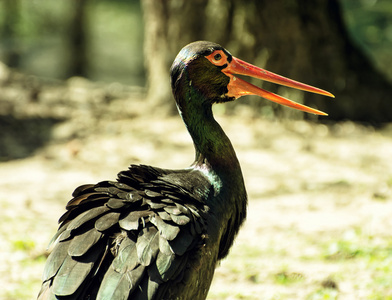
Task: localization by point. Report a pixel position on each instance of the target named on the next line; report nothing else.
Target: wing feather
(107, 221)
(132, 238)
(147, 245)
(80, 244)
(167, 230)
(73, 272)
(55, 260)
(118, 286)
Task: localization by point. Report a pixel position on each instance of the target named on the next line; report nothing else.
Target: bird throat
(214, 152)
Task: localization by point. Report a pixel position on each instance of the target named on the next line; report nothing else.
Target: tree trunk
(9, 32)
(169, 25)
(305, 40)
(309, 42)
(78, 63)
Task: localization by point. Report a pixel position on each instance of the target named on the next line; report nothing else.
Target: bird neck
(212, 146)
(214, 153)
(216, 158)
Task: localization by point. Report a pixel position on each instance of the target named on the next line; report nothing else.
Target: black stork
(158, 233)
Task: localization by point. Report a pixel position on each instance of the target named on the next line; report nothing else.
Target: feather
(73, 272)
(155, 205)
(167, 200)
(80, 244)
(164, 246)
(83, 198)
(173, 196)
(123, 195)
(119, 285)
(56, 236)
(123, 186)
(82, 189)
(164, 215)
(182, 209)
(107, 221)
(86, 216)
(131, 220)
(126, 258)
(153, 194)
(78, 221)
(46, 293)
(55, 260)
(193, 211)
(152, 288)
(134, 196)
(113, 190)
(167, 265)
(65, 235)
(172, 210)
(123, 275)
(108, 188)
(75, 210)
(147, 289)
(147, 245)
(168, 231)
(182, 243)
(123, 259)
(181, 219)
(115, 203)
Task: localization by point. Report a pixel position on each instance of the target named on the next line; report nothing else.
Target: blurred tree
(306, 40)
(9, 33)
(369, 23)
(78, 39)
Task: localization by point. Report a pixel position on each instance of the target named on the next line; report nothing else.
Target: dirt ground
(320, 196)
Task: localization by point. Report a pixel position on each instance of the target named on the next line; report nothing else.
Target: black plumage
(138, 237)
(157, 233)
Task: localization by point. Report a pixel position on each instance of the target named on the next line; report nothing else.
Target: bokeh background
(344, 46)
(85, 91)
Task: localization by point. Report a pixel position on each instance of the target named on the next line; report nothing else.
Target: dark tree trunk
(309, 42)
(305, 40)
(9, 33)
(78, 62)
(169, 25)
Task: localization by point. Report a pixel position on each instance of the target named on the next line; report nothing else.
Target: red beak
(238, 87)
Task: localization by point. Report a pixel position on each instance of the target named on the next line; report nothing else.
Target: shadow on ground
(20, 138)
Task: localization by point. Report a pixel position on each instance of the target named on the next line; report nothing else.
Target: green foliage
(285, 277)
(24, 245)
(324, 294)
(355, 244)
(370, 25)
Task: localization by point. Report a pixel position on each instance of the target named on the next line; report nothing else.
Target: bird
(156, 233)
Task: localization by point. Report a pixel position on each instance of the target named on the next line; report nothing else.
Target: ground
(320, 196)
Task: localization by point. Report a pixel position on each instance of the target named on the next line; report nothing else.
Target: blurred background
(85, 91)
(342, 46)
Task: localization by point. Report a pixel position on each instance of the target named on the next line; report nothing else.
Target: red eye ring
(218, 58)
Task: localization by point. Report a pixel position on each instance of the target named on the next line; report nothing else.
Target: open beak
(238, 87)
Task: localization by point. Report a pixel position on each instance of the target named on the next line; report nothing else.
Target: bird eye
(217, 58)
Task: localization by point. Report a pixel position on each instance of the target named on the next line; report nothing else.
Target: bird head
(212, 71)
